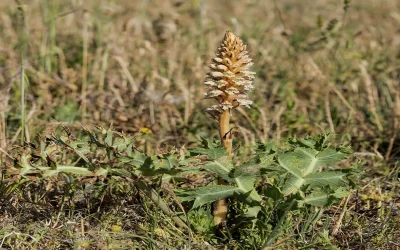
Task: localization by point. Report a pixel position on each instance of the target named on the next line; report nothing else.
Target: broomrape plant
(228, 80)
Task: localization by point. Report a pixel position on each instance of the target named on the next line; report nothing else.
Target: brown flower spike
(228, 80)
(229, 75)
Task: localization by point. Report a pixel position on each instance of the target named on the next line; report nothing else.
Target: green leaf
(80, 148)
(341, 193)
(245, 177)
(25, 163)
(212, 153)
(167, 161)
(289, 162)
(334, 179)
(122, 143)
(245, 184)
(324, 197)
(208, 194)
(50, 172)
(306, 160)
(221, 167)
(109, 138)
(120, 172)
(265, 148)
(267, 160)
(330, 156)
(102, 172)
(73, 170)
(308, 142)
(303, 163)
(250, 168)
(318, 198)
(252, 211)
(292, 185)
(136, 160)
(273, 193)
(66, 169)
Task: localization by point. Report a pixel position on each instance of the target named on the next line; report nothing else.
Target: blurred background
(321, 66)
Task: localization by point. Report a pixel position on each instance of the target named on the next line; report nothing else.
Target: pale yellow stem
(221, 206)
(224, 130)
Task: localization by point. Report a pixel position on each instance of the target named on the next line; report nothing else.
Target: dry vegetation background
(141, 64)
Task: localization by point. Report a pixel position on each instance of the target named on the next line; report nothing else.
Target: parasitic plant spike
(227, 82)
(229, 77)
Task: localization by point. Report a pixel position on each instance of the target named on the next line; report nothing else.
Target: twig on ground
(340, 219)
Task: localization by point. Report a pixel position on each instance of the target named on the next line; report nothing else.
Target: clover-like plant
(228, 80)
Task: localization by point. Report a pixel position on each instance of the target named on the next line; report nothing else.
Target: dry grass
(141, 64)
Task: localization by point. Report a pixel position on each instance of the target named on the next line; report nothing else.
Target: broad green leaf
(308, 142)
(309, 160)
(221, 167)
(121, 172)
(246, 185)
(273, 193)
(268, 148)
(324, 197)
(252, 211)
(267, 160)
(208, 143)
(245, 182)
(292, 185)
(122, 143)
(109, 138)
(306, 160)
(81, 148)
(302, 162)
(73, 170)
(66, 169)
(208, 194)
(102, 172)
(167, 161)
(197, 151)
(250, 168)
(289, 162)
(50, 172)
(216, 153)
(245, 177)
(330, 156)
(332, 178)
(318, 198)
(212, 153)
(341, 193)
(137, 160)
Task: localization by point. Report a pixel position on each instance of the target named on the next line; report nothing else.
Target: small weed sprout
(228, 81)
